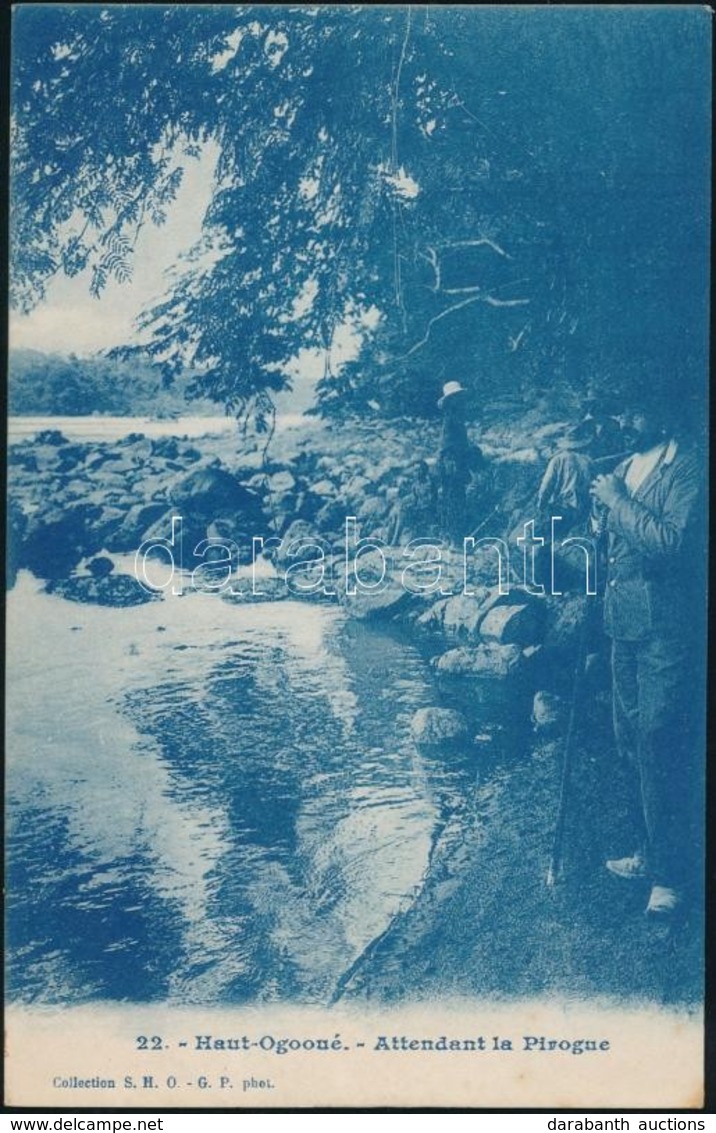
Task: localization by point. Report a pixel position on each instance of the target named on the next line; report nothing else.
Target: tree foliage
(513, 197)
(54, 385)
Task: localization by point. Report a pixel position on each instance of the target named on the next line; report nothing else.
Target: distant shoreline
(114, 426)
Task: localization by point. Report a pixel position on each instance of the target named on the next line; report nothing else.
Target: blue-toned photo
(357, 516)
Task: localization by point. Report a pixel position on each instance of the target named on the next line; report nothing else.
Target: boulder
(510, 625)
(187, 537)
(54, 545)
(70, 457)
(324, 488)
(356, 488)
(105, 521)
(487, 661)
(24, 459)
(142, 449)
(464, 613)
(190, 455)
(207, 493)
(226, 541)
(166, 446)
(432, 618)
(380, 592)
(51, 437)
(280, 482)
(297, 533)
(78, 488)
(47, 457)
(100, 566)
(431, 727)
(330, 517)
(96, 459)
(131, 531)
(110, 590)
(388, 600)
(373, 510)
(462, 616)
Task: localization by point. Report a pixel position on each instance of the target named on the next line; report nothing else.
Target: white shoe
(662, 901)
(629, 868)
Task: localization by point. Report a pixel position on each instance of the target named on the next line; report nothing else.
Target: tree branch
(489, 299)
(436, 319)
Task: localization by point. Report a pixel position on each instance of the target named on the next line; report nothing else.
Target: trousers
(656, 706)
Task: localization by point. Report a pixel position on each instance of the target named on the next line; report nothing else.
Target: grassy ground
(487, 924)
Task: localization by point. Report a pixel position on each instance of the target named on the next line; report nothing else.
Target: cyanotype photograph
(357, 555)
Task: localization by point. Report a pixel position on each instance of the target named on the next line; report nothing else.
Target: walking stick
(554, 871)
(480, 525)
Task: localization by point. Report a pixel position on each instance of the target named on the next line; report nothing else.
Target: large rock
(131, 439)
(189, 454)
(55, 544)
(132, 529)
(388, 600)
(431, 727)
(187, 536)
(299, 534)
(487, 661)
(96, 460)
(432, 618)
(109, 590)
(464, 613)
(510, 625)
(280, 483)
(324, 488)
(355, 491)
(166, 446)
(21, 456)
(330, 517)
(208, 493)
(141, 449)
(70, 457)
(462, 616)
(51, 437)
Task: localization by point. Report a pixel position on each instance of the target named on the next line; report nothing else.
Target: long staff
(557, 860)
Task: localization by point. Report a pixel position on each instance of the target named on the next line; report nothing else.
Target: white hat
(449, 390)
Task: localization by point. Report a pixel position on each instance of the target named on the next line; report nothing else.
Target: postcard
(357, 527)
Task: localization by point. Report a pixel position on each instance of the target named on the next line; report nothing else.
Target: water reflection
(210, 802)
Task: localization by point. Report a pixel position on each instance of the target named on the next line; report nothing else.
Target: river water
(107, 428)
(210, 802)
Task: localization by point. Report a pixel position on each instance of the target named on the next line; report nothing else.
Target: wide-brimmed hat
(449, 390)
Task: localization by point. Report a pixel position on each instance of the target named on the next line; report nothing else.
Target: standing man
(654, 612)
(567, 477)
(454, 463)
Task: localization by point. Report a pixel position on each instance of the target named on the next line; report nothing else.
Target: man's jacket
(655, 569)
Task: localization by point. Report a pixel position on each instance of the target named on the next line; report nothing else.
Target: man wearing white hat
(450, 389)
(454, 462)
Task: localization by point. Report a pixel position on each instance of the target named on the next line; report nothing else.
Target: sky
(70, 320)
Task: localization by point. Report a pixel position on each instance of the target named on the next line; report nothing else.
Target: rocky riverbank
(79, 511)
(503, 658)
